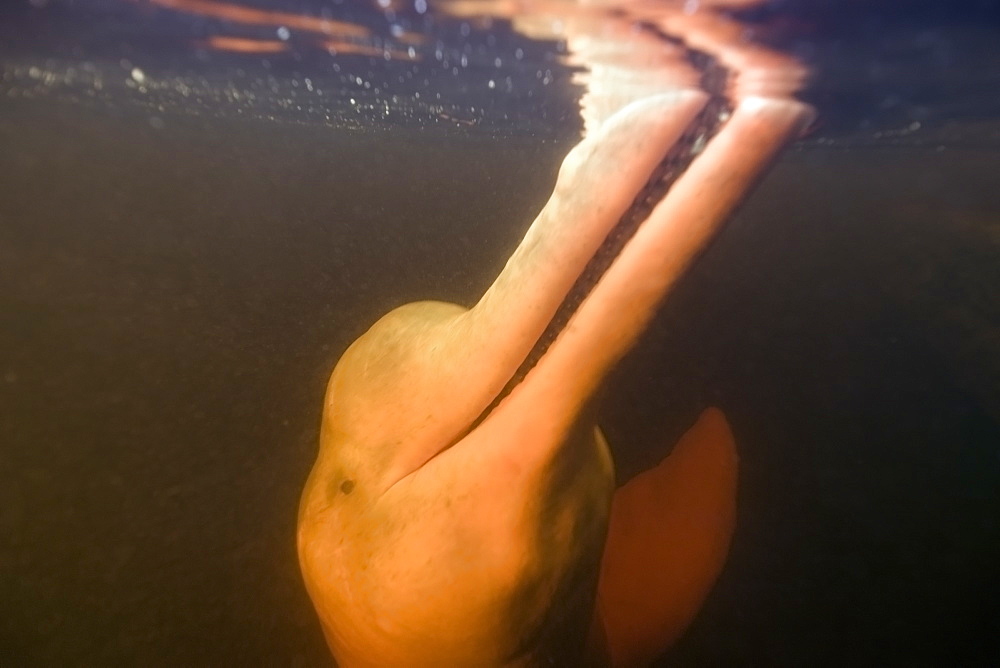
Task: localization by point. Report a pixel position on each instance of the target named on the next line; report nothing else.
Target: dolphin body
(439, 527)
(449, 522)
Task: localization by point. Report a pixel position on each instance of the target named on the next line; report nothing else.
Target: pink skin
(425, 541)
(436, 542)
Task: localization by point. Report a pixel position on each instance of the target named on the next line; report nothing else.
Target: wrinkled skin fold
(426, 542)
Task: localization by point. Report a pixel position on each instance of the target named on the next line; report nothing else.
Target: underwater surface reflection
(187, 247)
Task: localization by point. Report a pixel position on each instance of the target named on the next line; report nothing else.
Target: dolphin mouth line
(675, 162)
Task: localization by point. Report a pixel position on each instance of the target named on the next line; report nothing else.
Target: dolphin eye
(347, 486)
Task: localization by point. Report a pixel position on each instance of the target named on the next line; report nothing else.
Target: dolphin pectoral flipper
(668, 536)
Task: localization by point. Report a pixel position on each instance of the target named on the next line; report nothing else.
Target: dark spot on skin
(347, 486)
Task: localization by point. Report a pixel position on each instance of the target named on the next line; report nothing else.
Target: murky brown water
(173, 296)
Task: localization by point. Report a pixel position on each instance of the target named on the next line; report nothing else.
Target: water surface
(177, 281)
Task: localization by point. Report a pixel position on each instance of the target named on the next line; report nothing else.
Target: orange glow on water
(245, 45)
(344, 47)
(339, 37)
(249, 16)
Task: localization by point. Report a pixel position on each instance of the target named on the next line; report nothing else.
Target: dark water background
(176, 282)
